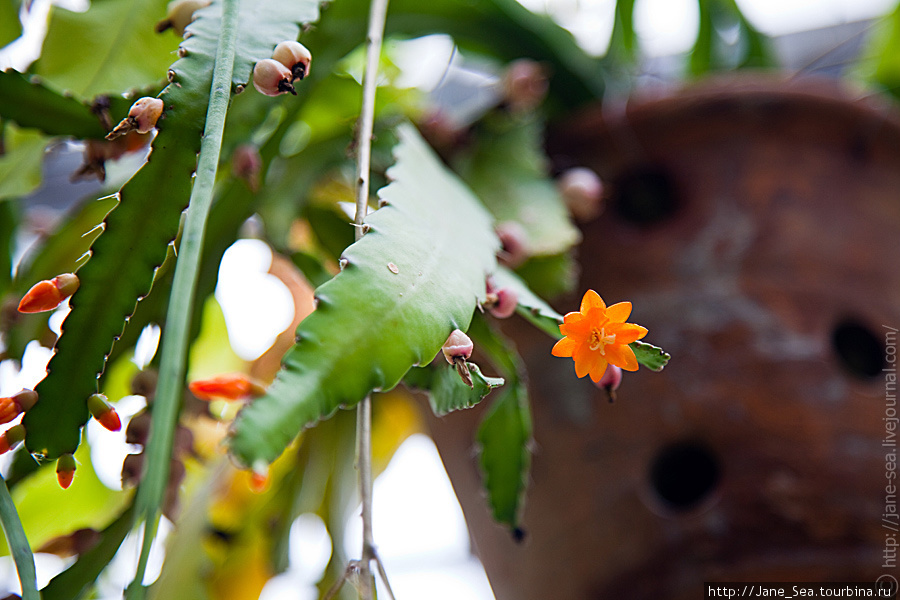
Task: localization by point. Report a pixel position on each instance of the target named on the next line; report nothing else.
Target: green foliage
(712, 52)
(121, 272)
(652, 357)
(20, 166)
(422, 265)
(508, 170)
(450, 393)
(18, 544)
(505, 434)
(107, 49)
(29, 102)
(884, 59)
(10, 25)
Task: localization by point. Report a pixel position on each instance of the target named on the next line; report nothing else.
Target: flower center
(599, 339)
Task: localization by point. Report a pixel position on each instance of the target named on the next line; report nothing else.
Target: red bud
(105, 414)
(10, 438)
(48, 294)
(231, 386)
(65, 470)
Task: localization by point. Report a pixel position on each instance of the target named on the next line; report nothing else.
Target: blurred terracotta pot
(755, 225)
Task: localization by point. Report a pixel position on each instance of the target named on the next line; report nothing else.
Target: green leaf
(138, 232)
(504, 436)
(30, 103)
(652, 357)
(505, 433)
(107, 49)
(20, 166)
(10, 25)
(883, 60)
(18, 544)
(449, 392)
(531, 306)
(413, 278)
(508, 170)
(550, 276)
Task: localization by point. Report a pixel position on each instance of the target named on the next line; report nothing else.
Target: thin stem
(365, 125)
(177, 332)
(18, 544)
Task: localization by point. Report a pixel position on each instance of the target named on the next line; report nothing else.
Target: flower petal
(599, 368)
(564, 347)
(584, 359)
(618, 313)
(629, 332)
(621, 356)
(591, 300)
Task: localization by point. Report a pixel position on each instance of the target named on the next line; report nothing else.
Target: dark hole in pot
(645, 196)
(684, 474)
(860, 352)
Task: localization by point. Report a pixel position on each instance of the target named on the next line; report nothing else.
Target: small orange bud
(259, 481)
(10, 438)
(48, 294)
(12, 407)
(65, 470)
(231, 386)
(105, 414)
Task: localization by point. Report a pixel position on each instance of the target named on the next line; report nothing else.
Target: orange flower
(231, 386)
(597, 336)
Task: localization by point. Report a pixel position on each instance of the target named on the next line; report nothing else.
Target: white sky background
(418, 524)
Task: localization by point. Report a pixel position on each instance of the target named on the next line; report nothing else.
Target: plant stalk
(177, 331)
(365, 126)
(18, 544)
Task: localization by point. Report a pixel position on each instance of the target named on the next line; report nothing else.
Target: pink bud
(272, 78)
(513, 242)
(505, 303)
(295, 56)
(458, 346)
(611, 380)
(582, 192)
(142, 117)
(524, 85)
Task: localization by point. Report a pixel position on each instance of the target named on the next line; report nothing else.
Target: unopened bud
(524, 85)
(11, 438)
(231, 386)
(141, 118)
(259, 480)
(48, 294)
(272, 78)
(295, 56)
(179, 15)
(582, 192)
(458, 346)
(65, 470)
(13, 406)
(514, 243)
(246, 164)
(503, 302)
(610, 381)
(103, 411)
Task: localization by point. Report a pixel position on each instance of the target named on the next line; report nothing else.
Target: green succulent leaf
(30, 103)
(20, 165)
(507, 169)
(652, 357)
(449, 392)
(504, 435)
(415, 276)
(109, 48)
(137, 233)
(531, 306)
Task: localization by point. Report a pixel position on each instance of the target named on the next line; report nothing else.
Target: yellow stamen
(599, 340)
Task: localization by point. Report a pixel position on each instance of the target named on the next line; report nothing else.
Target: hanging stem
(18, 544)
(365, 125)
(177, 331)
